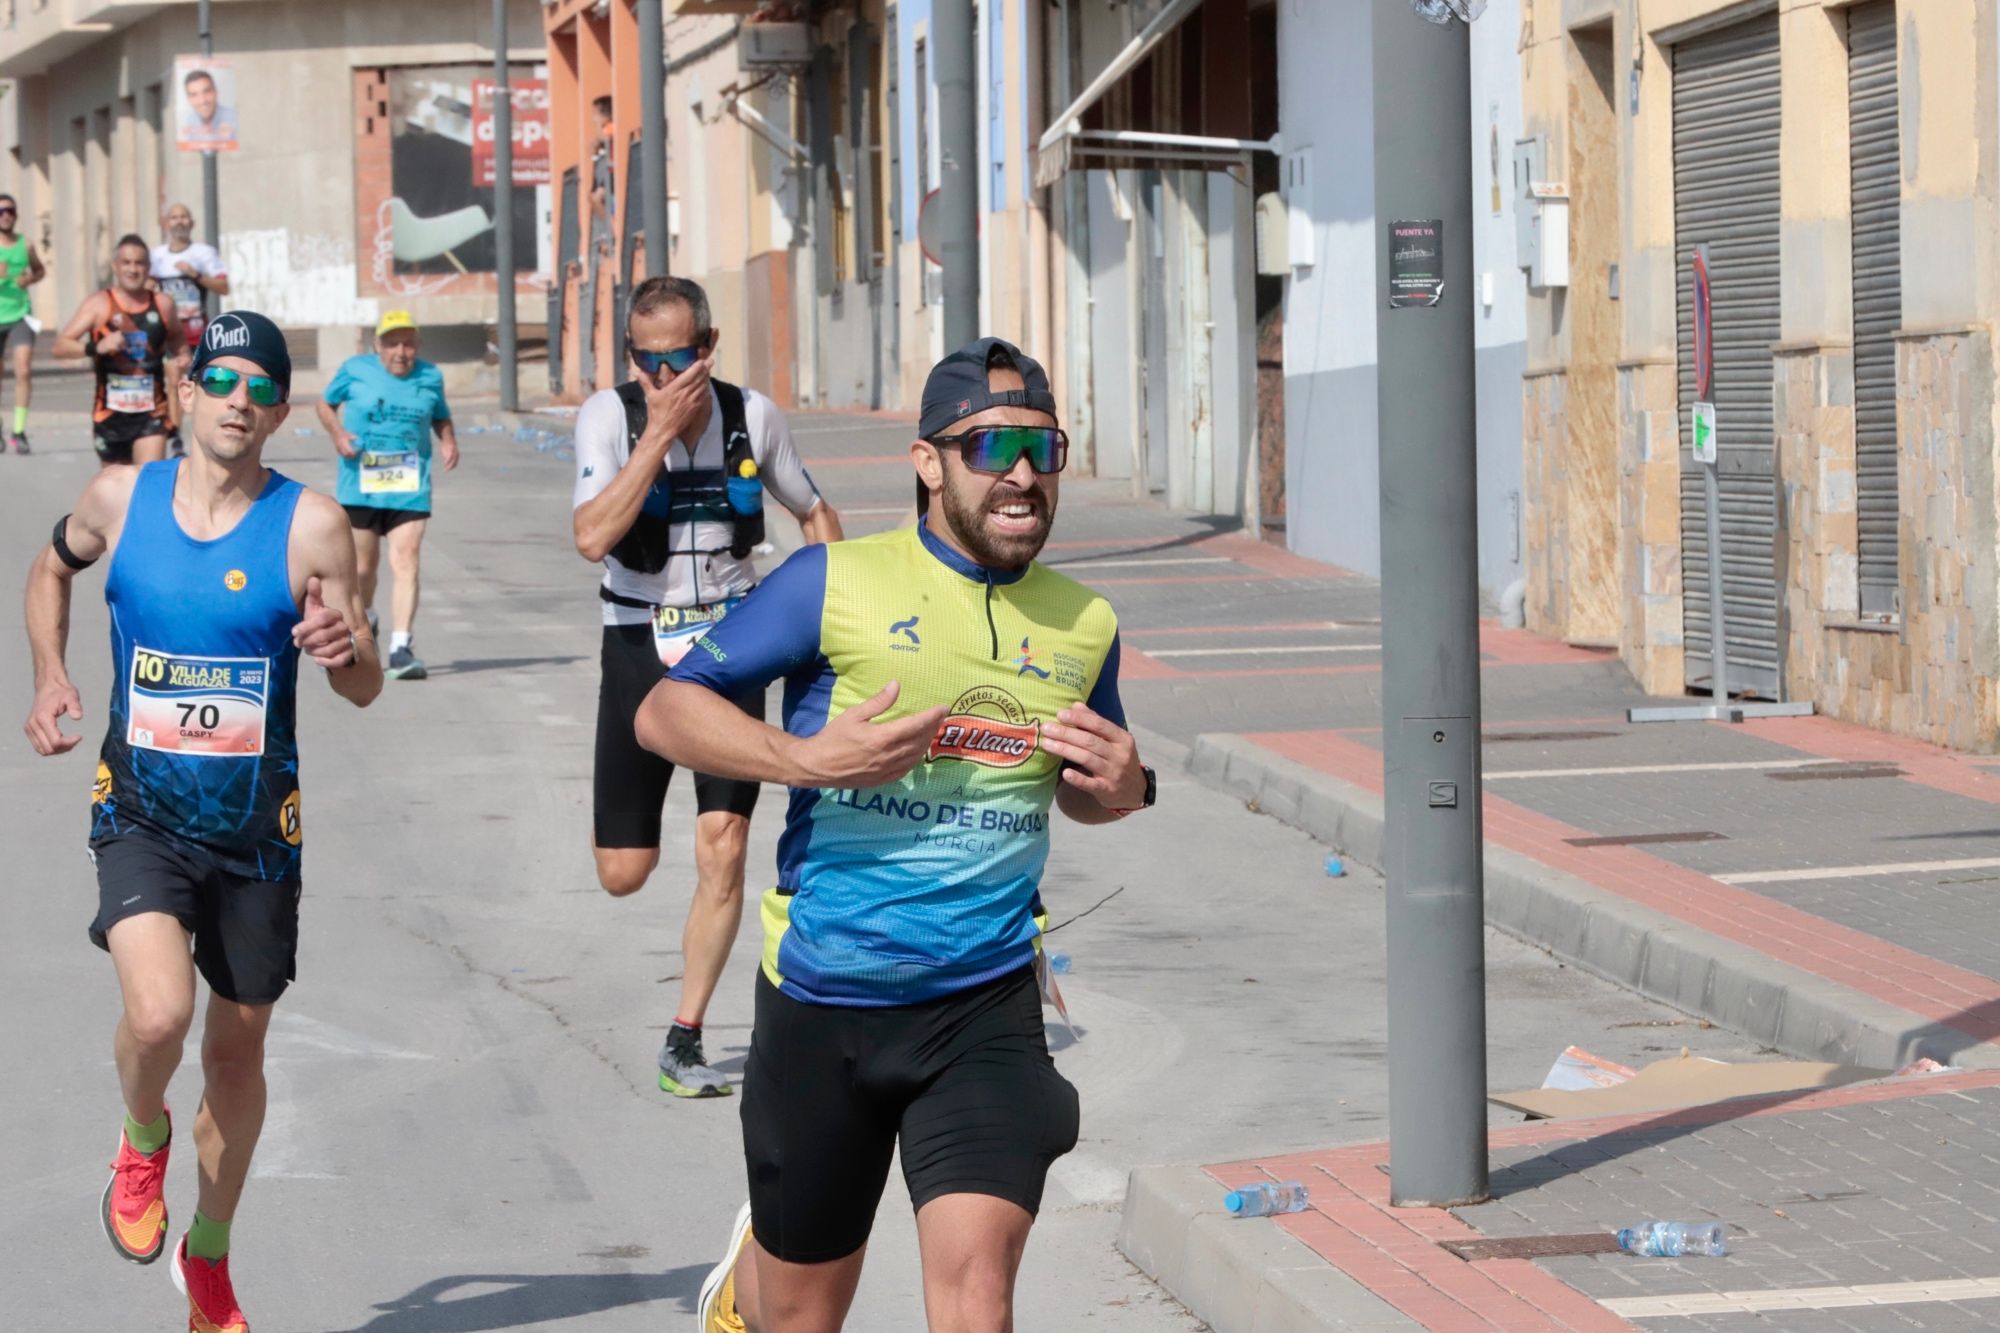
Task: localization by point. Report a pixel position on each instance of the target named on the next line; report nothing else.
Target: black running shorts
(116, 434)
(965, 1083)
(246, 931)
(375, 518)
(629, 783)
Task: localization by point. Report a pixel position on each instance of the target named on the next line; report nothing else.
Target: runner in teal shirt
(382, 411)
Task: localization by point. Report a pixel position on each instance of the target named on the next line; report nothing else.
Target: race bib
(129, 393)
(675, 628)
(197, 705)
(391, 474)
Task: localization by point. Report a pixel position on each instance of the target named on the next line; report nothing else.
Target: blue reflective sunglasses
(995, 449)
(679, 359)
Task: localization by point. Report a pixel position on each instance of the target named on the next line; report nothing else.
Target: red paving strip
(1508, 724)
(1395, 1253)
(1517, 647)
(1927, 765)
(1136, 664)
(1934, 990)
(1146, 579)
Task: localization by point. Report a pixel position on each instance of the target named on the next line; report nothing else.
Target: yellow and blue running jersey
(928, 885)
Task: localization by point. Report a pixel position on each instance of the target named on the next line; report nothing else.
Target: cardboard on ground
(1681, 1081)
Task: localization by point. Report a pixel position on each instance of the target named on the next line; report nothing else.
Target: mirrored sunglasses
(996, 449)
(678, 359)
(220, 382)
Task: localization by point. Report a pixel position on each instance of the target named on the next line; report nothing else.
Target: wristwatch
(1152, 793)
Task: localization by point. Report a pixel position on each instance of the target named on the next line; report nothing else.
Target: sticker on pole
(1416, 264)
(1703, 439)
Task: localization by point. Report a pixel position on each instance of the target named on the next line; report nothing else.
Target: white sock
(398, 641)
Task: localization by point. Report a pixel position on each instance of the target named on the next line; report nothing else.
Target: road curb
(1238, 1275)
(1643, 950)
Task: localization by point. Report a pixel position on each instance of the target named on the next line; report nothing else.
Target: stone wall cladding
(1651, 639)
(1545, 501)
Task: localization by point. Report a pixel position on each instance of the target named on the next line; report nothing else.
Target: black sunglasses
(677, 359)
(996, 449)
(221, 381)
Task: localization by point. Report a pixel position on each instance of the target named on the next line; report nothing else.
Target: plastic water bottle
(1335, 867)
(1671, 1240)
(1059, 964)
(1265, 1199)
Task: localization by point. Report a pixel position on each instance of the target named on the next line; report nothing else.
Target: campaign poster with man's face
(205, 104)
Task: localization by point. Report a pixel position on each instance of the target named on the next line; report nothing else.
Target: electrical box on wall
(1541, 216)
(768, 45)
(1273, 236)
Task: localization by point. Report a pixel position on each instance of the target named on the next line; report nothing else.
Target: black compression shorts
(114, 436)
(375, 518)
(964, 1082)
(629, 782)
(246, 931)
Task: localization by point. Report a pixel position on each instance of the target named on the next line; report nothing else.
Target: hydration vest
(727, 494)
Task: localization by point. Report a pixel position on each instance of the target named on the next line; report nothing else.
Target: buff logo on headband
(250, 336)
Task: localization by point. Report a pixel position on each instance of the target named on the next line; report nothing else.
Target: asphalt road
(464, 1130)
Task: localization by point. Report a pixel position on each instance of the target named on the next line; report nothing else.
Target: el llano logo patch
(234, 580)
(987, 726)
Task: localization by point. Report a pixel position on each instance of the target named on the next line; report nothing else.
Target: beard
(967, 511)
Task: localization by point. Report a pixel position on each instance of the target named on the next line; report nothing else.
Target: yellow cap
(747, 469)
(396, 319)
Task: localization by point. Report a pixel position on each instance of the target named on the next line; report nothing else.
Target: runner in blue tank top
(222, 573)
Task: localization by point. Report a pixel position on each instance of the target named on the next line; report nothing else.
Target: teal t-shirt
(390, 420)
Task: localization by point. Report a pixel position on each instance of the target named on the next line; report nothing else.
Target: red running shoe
(134, 1209)
(211, 1300)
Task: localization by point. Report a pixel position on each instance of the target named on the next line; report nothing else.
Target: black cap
(957, 386)
(247, 334)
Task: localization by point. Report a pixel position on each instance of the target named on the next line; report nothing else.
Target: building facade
(1831, 169)
(352, 186)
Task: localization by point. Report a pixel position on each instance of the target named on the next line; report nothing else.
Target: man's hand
(52, 700)
(343, 443)
(674, 406)
(855, 751)
(448, 452)
(109, 344)
(323, 634)
(188, 270)
(1099, 757)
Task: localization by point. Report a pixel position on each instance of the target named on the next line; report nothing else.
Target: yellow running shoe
(716, 1310)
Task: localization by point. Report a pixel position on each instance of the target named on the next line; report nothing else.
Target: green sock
(208, 1239)
(147, 1139)
(20, 419)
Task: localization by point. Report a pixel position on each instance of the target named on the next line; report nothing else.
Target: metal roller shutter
(1878, 293)
(1726, 197)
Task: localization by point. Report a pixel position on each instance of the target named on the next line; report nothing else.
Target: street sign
(1703, 442)
(1704, 329)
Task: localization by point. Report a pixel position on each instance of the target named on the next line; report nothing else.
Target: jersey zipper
(991, 628)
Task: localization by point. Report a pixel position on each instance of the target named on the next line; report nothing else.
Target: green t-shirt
(13, 267)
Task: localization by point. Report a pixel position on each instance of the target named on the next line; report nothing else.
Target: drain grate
(1503, 737)
(1533, 1247)
(1836, 773)
(1640, 839)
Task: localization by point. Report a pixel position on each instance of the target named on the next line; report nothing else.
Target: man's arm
(1102, 778)
(785, 476)
(329, 417)
(333, 627)
(822, 524)
(70, 342)
(447, 436)
(87, 533)
(176, 332)
(35, 271)
(605, 514)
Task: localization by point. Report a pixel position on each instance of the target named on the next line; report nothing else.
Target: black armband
(63, 553)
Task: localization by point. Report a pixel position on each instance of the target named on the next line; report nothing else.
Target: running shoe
(211, 1299)
(406, 665)
(20, 439)
(134, 1207)
(684, 1069)
(715, 1311)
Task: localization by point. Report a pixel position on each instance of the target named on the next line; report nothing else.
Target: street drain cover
(1835, 772)
(1502, 737)
(1638, 839)
(1533, 1247)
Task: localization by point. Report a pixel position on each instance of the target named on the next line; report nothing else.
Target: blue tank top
(203, 746)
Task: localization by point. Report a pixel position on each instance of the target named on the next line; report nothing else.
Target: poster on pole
(1416, 264)
(205, 104)
(530, 136)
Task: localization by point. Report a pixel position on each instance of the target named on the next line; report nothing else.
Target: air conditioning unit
(774, 45)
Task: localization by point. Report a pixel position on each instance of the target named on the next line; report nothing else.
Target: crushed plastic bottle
(1059, 964)
(1262, 1200)
(1672, 1240)
(1335, 867)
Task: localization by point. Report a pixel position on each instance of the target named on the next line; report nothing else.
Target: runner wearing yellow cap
(382, 410)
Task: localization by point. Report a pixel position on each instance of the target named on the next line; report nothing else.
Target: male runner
(389, 404)
(187, 270)
(20, 269)
(942, 690)
(128, 331)
(671, 469)
(222, 573)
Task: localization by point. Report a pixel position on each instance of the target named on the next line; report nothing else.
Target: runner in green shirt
(20, 269)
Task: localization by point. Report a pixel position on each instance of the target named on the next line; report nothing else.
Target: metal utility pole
(955, 47)
(653, 135)
(1430, 606)
(503, 212)
(211, 188)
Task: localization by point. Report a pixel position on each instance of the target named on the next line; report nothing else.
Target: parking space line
(1858, 872)
(1803, 1298)
(1267, 649)
(1615, 771)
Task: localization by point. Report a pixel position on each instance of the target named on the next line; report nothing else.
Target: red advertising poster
(531, 131)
